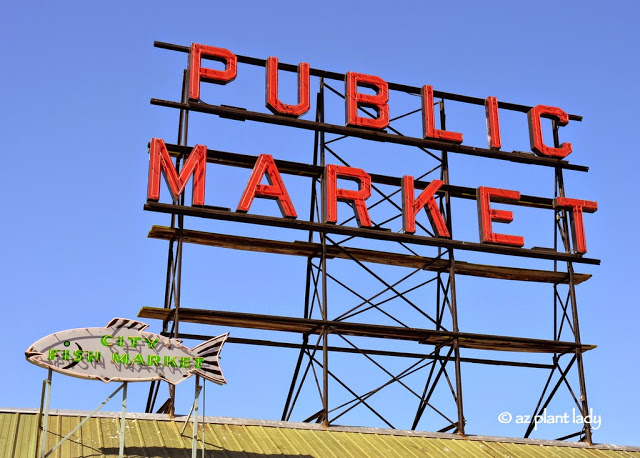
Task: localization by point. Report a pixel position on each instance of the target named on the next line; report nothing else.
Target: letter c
(104, 342)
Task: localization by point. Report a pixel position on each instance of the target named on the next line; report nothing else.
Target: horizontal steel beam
(340, 77)
(241, 114)
(307, 249)
(400, 354)
(310, 326)
(370, 233)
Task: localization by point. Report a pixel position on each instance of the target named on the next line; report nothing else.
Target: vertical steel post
(204, 406)
(194, 435)
(177, 279)
(572, 297)
(325, 315)
(47, 398)
(308, 295)
(38, 429)
(122, 422)
(171, 258)
(452, 282)
(325, 333)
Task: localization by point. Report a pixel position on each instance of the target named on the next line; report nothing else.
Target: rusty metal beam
(241, 114)
(370, 233)
(368, 351)
(308, 249)
(312, 326)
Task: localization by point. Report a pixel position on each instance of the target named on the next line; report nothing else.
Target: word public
(355, 100)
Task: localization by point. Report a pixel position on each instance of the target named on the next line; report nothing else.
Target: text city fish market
(126, 343)
(125, 358)
(195, 164)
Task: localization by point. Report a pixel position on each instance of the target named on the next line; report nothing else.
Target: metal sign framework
(43, 418)
(42, 450)
(441, 365)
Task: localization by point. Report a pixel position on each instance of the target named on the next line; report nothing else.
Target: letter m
(160, 163)
(120, 358)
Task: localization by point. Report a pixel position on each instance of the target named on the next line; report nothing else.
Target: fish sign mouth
(32, 354)
(29, 354)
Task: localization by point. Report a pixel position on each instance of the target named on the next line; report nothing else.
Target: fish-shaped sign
(123, 352)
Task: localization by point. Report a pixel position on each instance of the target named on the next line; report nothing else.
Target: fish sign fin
(165, 341)
(172, 342)
(127, 324)
(209, 351)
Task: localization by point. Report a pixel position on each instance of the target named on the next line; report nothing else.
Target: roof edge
(318, 427)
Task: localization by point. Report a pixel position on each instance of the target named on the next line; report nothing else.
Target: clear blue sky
(76, 119)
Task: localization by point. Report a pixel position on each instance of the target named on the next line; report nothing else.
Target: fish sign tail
(208, 367)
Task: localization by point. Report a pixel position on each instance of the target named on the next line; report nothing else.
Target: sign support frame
(46, 397)
(317, 275)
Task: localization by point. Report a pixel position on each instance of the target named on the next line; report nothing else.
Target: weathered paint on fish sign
(122, 351)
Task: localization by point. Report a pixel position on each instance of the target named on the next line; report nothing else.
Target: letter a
(274, 190)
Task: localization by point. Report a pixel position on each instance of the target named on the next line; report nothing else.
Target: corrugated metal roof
(157, 436)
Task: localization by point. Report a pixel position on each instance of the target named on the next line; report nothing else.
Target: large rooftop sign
(396, 219)
(416, 196)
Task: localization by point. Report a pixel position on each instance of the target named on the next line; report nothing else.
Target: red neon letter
(535, 131)
(486, 215)
(160, 161)
(577, 226)
(426, 199)
(274, 104)
(197, 73)
(354, 198)
(493, 123)
(378, 102)
(274, 190)
(428, 120)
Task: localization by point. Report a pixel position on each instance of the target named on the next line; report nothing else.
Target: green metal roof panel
(157, 436)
